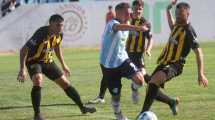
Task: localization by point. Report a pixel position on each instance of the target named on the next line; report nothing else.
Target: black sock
(147, 78)
(103, 88)
(150, 96)
(163, 97)
(73, 94)
(36, 98)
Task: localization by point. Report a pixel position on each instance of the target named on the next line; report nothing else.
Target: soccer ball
(148, 115)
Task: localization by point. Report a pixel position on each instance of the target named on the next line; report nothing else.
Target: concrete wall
(85, 21)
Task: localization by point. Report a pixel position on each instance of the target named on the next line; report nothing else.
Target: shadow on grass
(30, 106)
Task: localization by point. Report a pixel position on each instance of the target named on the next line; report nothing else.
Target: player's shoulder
(190, 28)
(42, 30)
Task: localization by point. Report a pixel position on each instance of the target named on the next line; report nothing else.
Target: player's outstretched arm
(60, 57)
(22, 75)
(149, 47)
(200, 64)
(169, 14)
(124, 27)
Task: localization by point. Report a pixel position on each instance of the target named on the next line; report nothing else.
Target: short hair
(183, 5)
(55, 18)
(137, 2)
(110, 7)
(122, 6)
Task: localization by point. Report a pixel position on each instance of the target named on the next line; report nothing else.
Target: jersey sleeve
(148, 33)
(192, 36)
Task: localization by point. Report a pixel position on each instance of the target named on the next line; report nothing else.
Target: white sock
(115, 105)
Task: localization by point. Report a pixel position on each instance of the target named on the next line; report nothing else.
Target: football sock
(36, 98)
(135, 86)
(150, 96)
(147, 78)
(115, 103)
(103, 88)
(73, 94)
(163, 97)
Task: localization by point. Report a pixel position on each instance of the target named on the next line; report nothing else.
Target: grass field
(197, 103)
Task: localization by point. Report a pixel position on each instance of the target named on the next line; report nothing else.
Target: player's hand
(22, 76)
(144, 28)
(173, 2)
(202, 80)
(66, 70)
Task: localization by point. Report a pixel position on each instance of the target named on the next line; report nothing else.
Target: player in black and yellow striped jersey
(171, 61)
(136, 43)
(36, 55)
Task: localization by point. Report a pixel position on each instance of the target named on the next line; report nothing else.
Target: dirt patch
(5, 53)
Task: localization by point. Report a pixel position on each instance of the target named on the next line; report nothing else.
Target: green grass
(197, 103)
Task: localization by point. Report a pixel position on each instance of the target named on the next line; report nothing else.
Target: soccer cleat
(119, 116)
(38, 117)
(174, 106)
(134, 95)
(87, 109)
(97, 100)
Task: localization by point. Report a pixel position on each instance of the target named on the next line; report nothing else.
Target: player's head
(137, 7)
(110, 7)
(182, 12)
(56, 23)
(123, 12)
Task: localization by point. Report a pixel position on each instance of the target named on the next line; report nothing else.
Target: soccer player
(114, 60)
(110, 14)
(135, 46)
(36, 55)
(182, 39)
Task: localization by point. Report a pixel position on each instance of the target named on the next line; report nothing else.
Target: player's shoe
(134, 95)
(120, 116)
(174, 105)
(38, 117)
(97, 100)
(87, 109)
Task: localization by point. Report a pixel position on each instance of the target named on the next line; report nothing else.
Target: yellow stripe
(46, 56)
(180, 46)
(172, 46)
(140, 42)
(132, 46)
(168, 54)
(38, 53)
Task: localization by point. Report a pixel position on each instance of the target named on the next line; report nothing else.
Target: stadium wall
(85, 21)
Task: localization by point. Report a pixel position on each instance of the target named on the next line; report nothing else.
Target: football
(148, 115)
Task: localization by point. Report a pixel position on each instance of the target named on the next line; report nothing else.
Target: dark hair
(183, 5)
(110, 7)
(55, 18)
(121, 6)
(137, 2)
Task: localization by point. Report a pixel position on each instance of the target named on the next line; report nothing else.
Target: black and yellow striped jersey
(182, 39)
(136, 39)
(41, 44)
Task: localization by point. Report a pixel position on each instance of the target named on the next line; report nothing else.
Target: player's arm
(169, 14)
(124, 27)
(150, 40)
(200, 64)
(59, 54)
(22, 72)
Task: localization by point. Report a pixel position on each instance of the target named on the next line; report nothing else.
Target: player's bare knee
(63, 82)
(37, 79)
(158, 78)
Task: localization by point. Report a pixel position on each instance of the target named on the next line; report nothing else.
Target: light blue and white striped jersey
(113, 52)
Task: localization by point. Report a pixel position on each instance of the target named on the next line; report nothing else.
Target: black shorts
(114, 75)
(171, 70)
(51, 70)
(137, 59)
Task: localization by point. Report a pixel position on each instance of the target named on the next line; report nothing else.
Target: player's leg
(153, 86)
(102, 90)
(114, 85)
(35, 72)
(54, 73)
